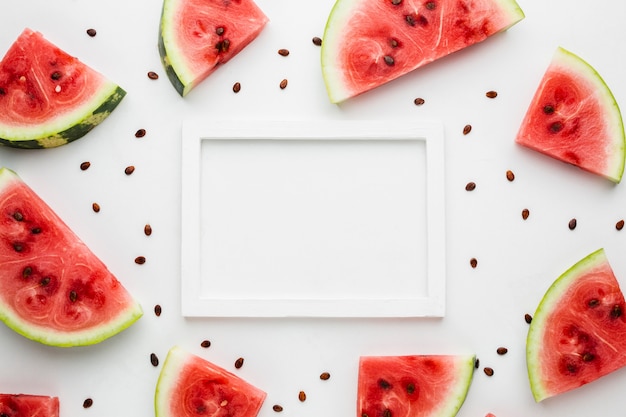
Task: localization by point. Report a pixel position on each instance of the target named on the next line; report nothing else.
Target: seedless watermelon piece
(413, 385)
(578, 333)
(49, 98)
(190, 386)
(196, 36)
(53, 289)
(368, 43)
(573, 117)
(27, 405)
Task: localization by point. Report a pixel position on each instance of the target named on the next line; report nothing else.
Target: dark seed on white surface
(129, 170)
(87, 403)
(488, 371)
(419, 101)
(528, 318)
(154, 360)
(525, 213)
(95, 207)
(85, 165)
(277, 408)
(205, 343)
(473, 262)
(140, 133)
(153, 75)
(619, 225)
(302, 396)
(283, 84)
(470, 186)
(147, 230)
(239, 363)
(502, 351)
(140, 260)
(237, 87)
(491, 94)
(477, 363)
(510, 175)
(157, 310)
(324, 376)
(317, 41)
(91, 32)
(467, 129)
(283, 52)
(572, 224)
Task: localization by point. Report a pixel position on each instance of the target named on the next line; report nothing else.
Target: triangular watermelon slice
(578, 333)
(196, 36)
(28, 405)
(49, 98)
(573, 117)
(53, 289)
(368, 43)
(413, 385)
(190, 386)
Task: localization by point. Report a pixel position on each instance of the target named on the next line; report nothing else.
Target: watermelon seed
(510, 175)
(556, 127)
(73, 296)
(147, 230)
(302, 396)
(470, 186)
(129, 170)
(572, 224)
(223, 45)
(588, 357)
(157, 310)
(431, 5)
(35, 230)
(85, 165)
(18, 246)
(56, 75)
(548, 109)
(387, 413)
(616, 311)
(140, 133)
(91, 32)
(419, 101)
(277, 408)
(205, 343)
(154, 360)
(2, 91)
(473, 262)
(502, 351)
(87, 403)
(140, 260)
(95, 207)
(18, 216)
(393, 43)
(283, 52)
(283, 84)
(410, 388)
(525, 213)
(491, 94)
(396, 2)
(528, 318)
(467, 129)
(239, 363)
(153, 75)
(384, 384)
(324, 376)
(477, 363)
(593, 303)
(45, 281)
(488, 371)
(619, 225)
(219, 31)
(410, 19)
(389, 60)
(26, 272)
(237, 87)
(317, 41)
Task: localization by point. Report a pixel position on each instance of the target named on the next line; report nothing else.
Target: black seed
(157, 310)
(396, 2)
(477, 363)
(393, 43)
(389, 60)
(35, 230)
(18, 216)
(56, 75)
(154, 360)
(548, 109)
(140, 133)
(528, 318)
(223, 45)
(588, 357)
(431, 5)
(73, 296)
(91, 32)
(556, 127)
(45, 281)
(410, 19)
(387, 413)
(219, 30)
(594, 302)
(153, 75)
(2, 91)
(18, 246)
(87, 403)
(26, 272)
(317, 41)
(410, 388)
(239, 363)
(384, 384)
(85, 165)
(572, 224)
(205, 343)
(616, 311)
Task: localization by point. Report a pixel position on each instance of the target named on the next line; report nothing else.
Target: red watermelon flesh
(573, 117)
(368, 43)
(578, 333)
(198, 35)
(413, 385)
(190, 386)
(26, 405)
(53, 289)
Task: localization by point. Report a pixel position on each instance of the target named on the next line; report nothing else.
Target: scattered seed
(157, 310)
(324, 376)
(470, 186)
(502, 351)
(572, 224)
(85, 165)
(140, 260)
(283, 52)
(510, 175)
(525, 213)
(467, 129)
(277, 408)
(73, 296)
(616, 311)
(96, 207)
(473, 262)
(556, 127)
(205, 343)
(419, 101)
(477, 363)
(302, 396)
(18, 216)
(153, 75)
(147, 230)
(548, 109)
(129, 170)
(154, 359)
(317, 41)
(488, 371)
(491, 94)
(87, 403)
(239, 363)
(140, 133)
(26, 272)
(588, 357)
(619, 225)
(237, 87)
(528, 318)
(283, 84)
(91, 32)
(18, 247)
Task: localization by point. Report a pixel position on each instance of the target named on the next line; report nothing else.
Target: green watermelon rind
(548, 304)
(66, 128)
(465, 366)
(172, 57)
(44, 335)
(340, 14)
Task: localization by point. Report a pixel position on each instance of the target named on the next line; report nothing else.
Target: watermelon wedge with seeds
(196, 36)
(368, 43)
(49, 98)
(28, 405)
(578, 333)
(574, 117)
(191, 386)
(53, 288)
(413, 385)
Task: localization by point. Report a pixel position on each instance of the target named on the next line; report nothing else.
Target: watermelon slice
(578, 333)
(196, 36)
(27, 405)
(573, 117)
(414, 385)
(49, 98)
(190, 386)
(53, 289)
(368, 43)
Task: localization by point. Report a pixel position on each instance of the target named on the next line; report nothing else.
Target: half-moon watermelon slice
(368, 43)
(49, 98)
(190, 386)
(28, 405)
(413, 385)
(578, 333)
(573, 117)
(53, 289)
(196, 36)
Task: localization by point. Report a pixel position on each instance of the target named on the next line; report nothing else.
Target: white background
(517, 259)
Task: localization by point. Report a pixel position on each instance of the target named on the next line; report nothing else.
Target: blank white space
(313, 219)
